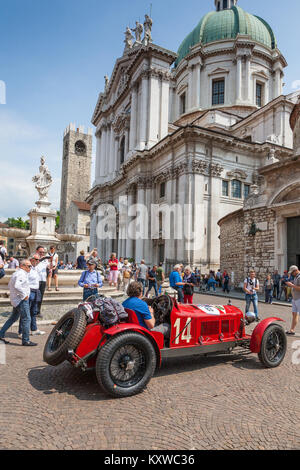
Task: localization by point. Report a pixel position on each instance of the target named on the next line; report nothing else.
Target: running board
(225, 347)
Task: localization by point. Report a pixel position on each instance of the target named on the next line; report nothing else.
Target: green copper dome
(227, 24)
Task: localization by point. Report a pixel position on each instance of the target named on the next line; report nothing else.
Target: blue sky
(54, 55)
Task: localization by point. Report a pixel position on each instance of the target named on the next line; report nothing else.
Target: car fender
(258, 333)
(156, 338)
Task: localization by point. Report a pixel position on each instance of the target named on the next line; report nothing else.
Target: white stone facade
(156, 125)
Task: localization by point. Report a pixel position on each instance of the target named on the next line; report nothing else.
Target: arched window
(122, 151)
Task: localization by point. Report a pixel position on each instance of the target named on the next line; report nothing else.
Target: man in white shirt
(3, 254)
(13, 263)
(251, 288)
(42, 270)
(35, 295)
(53, 268)
(19, 297)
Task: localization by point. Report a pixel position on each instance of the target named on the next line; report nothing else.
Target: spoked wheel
(273, 346)
(125, 364)
(67, 334)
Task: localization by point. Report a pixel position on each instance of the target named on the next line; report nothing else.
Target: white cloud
(22, 145)
(296, 85)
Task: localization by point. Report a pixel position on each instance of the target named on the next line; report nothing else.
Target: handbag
(188, 290)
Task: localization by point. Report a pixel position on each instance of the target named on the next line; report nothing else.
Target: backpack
(111, 312)
(2, 254)
(248, 281)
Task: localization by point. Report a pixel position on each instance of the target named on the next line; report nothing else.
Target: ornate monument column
(42, 218)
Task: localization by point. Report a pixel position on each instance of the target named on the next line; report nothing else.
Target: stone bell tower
(76, 169)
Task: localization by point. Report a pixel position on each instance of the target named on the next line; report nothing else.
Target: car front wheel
(125, 364)
(273, 346)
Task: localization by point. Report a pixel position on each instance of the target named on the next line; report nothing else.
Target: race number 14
(185, 334)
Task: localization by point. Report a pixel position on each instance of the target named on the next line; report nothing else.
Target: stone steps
(65, 295)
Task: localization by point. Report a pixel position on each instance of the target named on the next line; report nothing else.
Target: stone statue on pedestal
(128, 39)
(43, 181)
(148, 29)
(138, 32)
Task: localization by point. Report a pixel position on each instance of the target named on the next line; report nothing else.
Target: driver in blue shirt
(144, 313)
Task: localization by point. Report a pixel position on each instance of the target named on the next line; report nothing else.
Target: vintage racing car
(126, 355)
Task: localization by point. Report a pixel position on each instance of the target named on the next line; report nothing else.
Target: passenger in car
(144, 313)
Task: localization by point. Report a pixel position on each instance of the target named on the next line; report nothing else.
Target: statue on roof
(128, 39)
(138, 32)
(148, 29)
(106, 82)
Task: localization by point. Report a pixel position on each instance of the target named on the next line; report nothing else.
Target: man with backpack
(251, 288)
(90, 280)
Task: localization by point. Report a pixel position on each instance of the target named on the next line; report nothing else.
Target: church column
(148, 242)
(238, 79)
(133, 118)
(102, 153)
(98, 156)
(198, 85)
(139, 251)
(144, 111)
(248, 79)
(129, 242)
(190, 89)
(116, 154)
(127, 137)
(277, 89)
(154, 108)
(164, 108)
(111, 151)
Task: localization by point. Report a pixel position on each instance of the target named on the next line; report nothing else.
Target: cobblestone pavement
(224, 402)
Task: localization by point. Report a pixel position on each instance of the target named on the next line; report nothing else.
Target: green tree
(57, 220)
(18, 223)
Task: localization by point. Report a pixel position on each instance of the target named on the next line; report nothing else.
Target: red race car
(126, 355)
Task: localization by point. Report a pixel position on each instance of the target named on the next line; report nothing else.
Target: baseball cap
(292, 269)
(92, 262)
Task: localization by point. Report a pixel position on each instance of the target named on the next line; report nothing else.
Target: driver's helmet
(250, 317)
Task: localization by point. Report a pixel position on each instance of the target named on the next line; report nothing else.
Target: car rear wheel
(273, 346)
(67, 334)
(125, 364)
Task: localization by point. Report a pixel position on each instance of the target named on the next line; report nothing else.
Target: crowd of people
(33, 275)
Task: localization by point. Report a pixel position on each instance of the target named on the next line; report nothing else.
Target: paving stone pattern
(223, 402)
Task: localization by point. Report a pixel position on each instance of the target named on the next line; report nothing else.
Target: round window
(80, 148)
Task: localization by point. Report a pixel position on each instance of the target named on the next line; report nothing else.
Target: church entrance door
(293, 241)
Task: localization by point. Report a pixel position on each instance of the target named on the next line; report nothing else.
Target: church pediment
(261, 74)
(237, 174)
(218, 71)
(289, 194)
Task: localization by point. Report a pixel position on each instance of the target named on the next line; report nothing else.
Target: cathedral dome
(227, 24)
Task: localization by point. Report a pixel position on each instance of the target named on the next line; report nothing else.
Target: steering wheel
(162, 307)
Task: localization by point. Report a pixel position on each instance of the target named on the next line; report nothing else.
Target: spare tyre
(67, 334)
